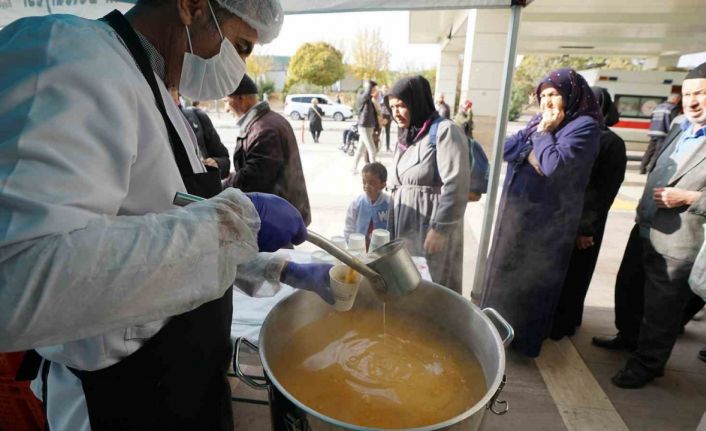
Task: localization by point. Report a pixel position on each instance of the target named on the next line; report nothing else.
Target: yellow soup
(412, 375)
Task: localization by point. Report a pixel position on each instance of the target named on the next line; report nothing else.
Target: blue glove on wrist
(280, 223)
(313, 277)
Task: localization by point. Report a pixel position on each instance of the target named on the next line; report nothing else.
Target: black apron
(177, 379)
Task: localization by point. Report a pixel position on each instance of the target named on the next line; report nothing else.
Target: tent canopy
(328, 6)
(12, 10)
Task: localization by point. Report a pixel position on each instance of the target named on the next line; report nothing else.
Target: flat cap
(699, 72)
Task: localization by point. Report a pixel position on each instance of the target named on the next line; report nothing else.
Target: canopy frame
(334, 6)
(497, 153)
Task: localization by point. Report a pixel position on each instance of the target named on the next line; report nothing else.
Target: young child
(371, 210)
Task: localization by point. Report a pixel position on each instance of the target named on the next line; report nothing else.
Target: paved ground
(539, 399)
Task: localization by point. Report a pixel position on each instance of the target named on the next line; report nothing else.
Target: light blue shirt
(688, 143)
(362, 212)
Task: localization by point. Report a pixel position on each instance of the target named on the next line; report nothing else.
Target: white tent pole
(497, 156)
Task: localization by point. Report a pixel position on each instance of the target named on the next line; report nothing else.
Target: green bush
(265, 86)
(519, 100)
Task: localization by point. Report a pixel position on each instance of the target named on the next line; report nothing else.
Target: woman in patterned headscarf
(549, 165)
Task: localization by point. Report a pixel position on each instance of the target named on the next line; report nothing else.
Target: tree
(535, 67)
(316, 63)
(370, 57)
(411, 67)
(258, 65)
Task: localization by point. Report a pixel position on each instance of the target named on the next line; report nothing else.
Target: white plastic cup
(356, 242)
(339, 241)
(320, 256)
(378, 238)
(343, 293)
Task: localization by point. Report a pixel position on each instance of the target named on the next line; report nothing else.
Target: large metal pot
(474, 328)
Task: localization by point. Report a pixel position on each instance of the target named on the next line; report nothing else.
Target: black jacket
(606, 177)
(314, 115)
(210, 144)
(367, 117)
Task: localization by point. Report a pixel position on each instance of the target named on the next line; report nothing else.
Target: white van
(635, 94)
(296, 107)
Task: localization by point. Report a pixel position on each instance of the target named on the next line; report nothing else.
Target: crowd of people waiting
(564, 170)
(127, 299)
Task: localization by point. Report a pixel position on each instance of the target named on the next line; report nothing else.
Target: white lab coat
(87, 179)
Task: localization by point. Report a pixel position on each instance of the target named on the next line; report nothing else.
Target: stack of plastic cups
(340, 242)
(320, 256)
(356, 243)
(378, 238)
(356, 246)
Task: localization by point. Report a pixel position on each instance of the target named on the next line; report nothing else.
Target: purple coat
(536, 226)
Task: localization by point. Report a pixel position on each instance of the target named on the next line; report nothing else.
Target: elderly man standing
(443, 108)
(670, 218)
(266, 157)
(126, 298)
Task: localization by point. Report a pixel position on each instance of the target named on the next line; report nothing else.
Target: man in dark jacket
(212, 150)
(266, 157)
(661, 122)
(367, 122)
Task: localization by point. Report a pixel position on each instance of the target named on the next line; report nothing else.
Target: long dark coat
(314, 115)
(536, 227)
(606, 177)
(368, 116)
(209, 142)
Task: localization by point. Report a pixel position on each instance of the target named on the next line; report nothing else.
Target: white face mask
(212, 78)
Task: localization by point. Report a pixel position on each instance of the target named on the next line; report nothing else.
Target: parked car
(296, 107)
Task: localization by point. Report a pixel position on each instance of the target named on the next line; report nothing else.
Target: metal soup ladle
(391, 273)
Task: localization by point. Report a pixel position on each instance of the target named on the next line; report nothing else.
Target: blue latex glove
(280, 223)
(309, 276)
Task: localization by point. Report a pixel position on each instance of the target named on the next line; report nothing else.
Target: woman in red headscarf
(549, 165)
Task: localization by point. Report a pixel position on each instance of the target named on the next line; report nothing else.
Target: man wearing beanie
(670, 218)
(266, 157)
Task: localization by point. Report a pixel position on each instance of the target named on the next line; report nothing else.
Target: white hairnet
(265, 16)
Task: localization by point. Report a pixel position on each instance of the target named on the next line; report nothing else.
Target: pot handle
(236, 364)
(494, 401)
(498, 320)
